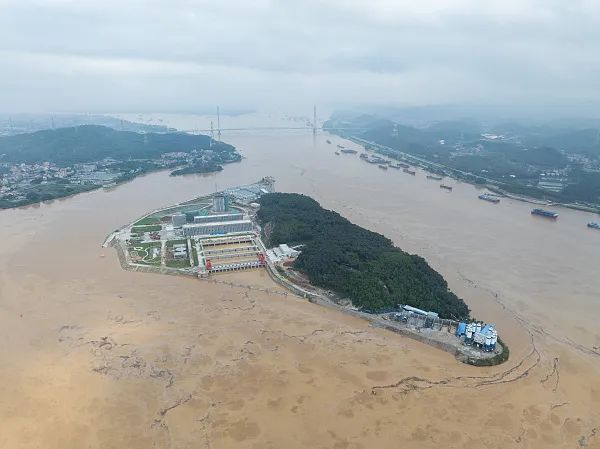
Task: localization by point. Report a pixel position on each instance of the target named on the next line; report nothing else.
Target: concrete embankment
(440, 339)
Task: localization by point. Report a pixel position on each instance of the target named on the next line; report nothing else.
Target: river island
(315, 254)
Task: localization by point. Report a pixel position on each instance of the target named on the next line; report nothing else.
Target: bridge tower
(218, 124)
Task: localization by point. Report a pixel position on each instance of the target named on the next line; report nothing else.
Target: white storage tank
(488, 343)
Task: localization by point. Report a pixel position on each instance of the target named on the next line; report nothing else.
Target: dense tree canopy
(88, 143)
(352, 261)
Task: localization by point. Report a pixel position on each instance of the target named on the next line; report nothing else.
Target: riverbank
(58, 163)
(491, 184)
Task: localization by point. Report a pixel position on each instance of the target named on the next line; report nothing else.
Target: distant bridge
(273, 128)
(314, 127)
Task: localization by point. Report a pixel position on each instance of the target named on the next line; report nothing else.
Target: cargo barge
(349, 151)
(445, 187)
(410, 172)
(434, 177)
(383, 166)
(545, 213)
(489, 198)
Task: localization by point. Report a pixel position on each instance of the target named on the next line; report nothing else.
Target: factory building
(282, 253)
(218, 218)
(212, 228)
(220, 203)
(178, 219)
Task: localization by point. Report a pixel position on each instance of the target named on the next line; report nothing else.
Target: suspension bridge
(313, 126)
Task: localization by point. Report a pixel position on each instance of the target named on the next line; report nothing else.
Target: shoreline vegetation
(52, 164)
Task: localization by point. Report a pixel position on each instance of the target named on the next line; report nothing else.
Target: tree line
(354, 262)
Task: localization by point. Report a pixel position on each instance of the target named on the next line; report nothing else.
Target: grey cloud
(164, 55)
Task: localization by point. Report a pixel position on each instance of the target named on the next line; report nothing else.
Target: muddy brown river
(97, 357)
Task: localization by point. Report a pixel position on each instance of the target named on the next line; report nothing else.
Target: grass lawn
(179, 263)
(145, 228)
(151, 220)
(146, 252)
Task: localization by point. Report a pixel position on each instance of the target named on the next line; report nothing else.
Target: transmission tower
(315, 119)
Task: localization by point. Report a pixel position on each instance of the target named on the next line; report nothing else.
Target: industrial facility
(481, 335)
(478, 335)
(282, 253)
(210, 234)
(213, 228)
(218, 218)
(229, 253)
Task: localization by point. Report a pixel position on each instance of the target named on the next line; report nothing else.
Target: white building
(226, 227)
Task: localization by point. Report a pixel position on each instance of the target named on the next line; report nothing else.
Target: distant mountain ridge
(12, 124)
(88, 143)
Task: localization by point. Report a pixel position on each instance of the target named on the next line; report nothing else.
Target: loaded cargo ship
(594, 225)
(544, 213)
(490, 198)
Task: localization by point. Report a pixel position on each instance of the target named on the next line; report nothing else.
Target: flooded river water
(93, 356)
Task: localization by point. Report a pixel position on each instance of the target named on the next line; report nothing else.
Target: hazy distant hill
(89, 143)
(11, 124)
(516, 154)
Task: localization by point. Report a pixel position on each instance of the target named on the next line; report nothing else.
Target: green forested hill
(87, 143)
(355, 262)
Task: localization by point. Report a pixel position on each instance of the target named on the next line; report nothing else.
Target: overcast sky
(186, 55)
